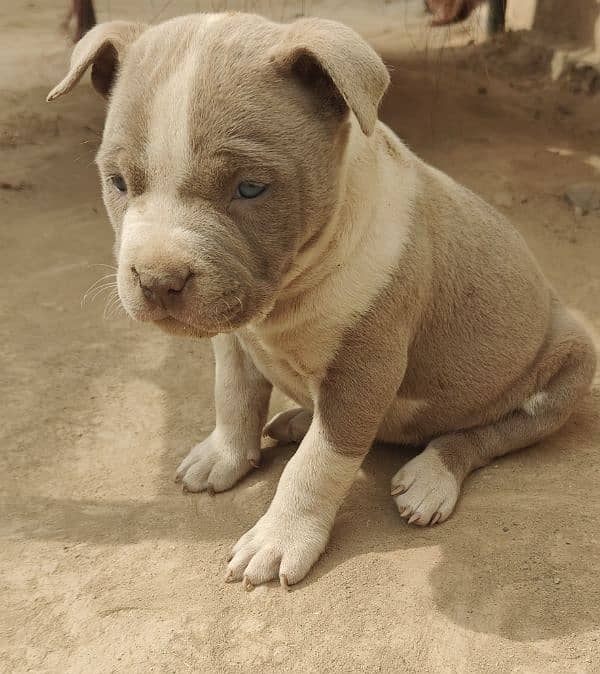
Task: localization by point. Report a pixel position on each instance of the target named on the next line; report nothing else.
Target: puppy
(257, 200)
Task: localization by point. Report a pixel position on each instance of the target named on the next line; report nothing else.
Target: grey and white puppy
(256, 199)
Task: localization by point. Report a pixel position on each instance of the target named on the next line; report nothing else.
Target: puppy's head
(221, 155)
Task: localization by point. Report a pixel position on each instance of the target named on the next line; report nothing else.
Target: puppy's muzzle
(161, 289)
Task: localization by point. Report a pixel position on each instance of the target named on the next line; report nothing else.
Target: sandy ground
(107, 567)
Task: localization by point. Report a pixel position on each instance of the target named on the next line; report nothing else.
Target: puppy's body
(385, 299)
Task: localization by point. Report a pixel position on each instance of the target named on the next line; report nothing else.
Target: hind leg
(426, 488)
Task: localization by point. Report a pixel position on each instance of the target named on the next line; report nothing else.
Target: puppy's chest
(293, 361)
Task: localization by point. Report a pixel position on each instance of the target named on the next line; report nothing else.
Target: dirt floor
(107, 567)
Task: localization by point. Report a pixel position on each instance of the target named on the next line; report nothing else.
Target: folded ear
(351, 65)
(103, 48)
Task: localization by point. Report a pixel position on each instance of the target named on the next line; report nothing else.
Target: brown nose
(161, 288)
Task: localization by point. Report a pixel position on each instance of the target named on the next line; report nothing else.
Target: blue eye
(249, 190)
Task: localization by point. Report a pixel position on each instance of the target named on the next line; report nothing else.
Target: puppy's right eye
(119, 182)
(249, 190)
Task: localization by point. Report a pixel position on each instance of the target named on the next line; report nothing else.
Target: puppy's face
(220, 160)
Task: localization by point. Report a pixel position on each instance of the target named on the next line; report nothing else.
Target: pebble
(584, 197)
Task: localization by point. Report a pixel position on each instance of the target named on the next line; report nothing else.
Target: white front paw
(277, 547)
(213, 466)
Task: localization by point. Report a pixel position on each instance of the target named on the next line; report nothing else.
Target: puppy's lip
(175, 325)
(183, 317)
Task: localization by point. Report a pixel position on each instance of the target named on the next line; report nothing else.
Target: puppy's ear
(103, 48)
(314, 49)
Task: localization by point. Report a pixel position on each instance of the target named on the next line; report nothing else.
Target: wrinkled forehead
(199, 85)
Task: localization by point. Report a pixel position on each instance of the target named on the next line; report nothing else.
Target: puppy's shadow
(519, 558)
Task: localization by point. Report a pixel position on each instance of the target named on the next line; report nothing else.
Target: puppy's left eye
(249, 190)
(119, 182)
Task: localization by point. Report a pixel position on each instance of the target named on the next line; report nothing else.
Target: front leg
(292, 534)
(241, 401)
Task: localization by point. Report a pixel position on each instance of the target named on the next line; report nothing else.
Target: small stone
(556, 581)
(505, 529)
(561, 151)
(17, 187)
(584, 196)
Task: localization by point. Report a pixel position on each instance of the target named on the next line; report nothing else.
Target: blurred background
(106, 565)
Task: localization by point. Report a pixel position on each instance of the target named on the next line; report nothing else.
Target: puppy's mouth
(191, 321)
(175, 326)
(198, 324)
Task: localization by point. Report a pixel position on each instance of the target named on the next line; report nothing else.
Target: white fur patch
(168, 145)
(532, 405)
